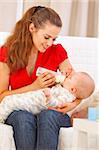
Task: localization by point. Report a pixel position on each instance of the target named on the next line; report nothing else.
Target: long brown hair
(20, 43)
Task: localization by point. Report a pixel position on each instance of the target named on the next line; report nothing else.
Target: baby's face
(70, 81)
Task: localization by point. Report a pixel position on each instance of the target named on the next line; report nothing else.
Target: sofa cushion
(6, 137)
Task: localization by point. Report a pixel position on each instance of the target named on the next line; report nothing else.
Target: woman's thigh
(49, 123)
(25, 129)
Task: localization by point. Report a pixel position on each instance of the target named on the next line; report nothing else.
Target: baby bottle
(58, 75)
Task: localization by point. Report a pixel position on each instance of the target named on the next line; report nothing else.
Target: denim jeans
(37, 132)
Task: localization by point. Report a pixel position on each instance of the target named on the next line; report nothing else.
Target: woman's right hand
(46, 79)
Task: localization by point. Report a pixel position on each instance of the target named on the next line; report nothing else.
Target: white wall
(10, 12)
(83, 53)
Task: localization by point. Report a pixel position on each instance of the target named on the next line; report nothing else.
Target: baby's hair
(86, 85)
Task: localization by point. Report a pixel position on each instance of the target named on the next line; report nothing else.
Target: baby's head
(80, 84)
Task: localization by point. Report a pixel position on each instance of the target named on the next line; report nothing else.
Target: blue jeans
(38, 132)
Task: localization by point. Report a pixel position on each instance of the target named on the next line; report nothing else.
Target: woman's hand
(66, 107)
(44, 80)
(63, 109)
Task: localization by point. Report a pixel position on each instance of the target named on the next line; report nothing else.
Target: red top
(50, 59)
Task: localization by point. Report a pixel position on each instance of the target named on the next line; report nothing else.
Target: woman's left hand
(63, 108)
(66, 107)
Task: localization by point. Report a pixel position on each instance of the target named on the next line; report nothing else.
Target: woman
(31, 46)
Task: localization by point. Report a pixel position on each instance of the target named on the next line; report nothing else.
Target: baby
(79, 85)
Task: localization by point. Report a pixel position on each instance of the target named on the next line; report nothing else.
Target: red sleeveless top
(50, 59)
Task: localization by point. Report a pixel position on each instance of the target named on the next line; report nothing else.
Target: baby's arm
(48, 95)
(53, 96)
(47, 92)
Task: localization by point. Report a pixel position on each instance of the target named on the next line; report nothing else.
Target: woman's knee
(48, 116)
(20, 118)
(51, 117)
(45, 114)
(25, 129)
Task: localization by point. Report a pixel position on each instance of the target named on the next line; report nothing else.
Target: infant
(79, 85)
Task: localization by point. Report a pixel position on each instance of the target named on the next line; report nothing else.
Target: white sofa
(83, 54)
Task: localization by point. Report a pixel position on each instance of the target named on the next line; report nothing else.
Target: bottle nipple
(60, 78)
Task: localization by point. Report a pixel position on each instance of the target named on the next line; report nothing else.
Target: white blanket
(34, 101)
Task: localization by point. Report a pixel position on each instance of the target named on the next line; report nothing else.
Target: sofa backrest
(83, 53)
(3, 36)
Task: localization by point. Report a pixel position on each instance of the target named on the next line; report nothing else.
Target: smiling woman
(45, 36)
(30, 46)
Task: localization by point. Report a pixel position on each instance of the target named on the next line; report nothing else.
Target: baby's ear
(73, 90)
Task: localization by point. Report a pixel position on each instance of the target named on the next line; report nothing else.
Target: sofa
(83, 54)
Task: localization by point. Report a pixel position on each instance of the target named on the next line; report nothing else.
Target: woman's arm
(67, 106)
(4, 77)
(44, 80)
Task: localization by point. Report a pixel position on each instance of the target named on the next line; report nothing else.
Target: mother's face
(44, 37)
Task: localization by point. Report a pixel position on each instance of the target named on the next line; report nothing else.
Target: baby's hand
(69, 72)
(47, 92)
(48, 95)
